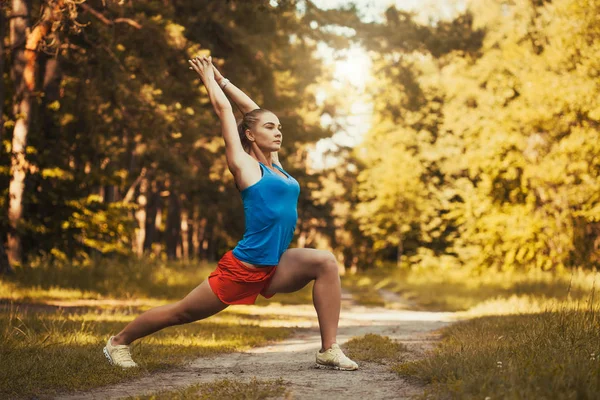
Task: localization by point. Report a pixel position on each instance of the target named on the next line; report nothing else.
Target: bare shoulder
(246, 171)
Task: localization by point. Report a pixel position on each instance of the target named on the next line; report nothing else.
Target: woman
(261, 262)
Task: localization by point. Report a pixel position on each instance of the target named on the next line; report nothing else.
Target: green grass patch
(553, 354)
(364, 289)
(223, 389)
(118, 278)
(376, 348)
(451, 289)
(44, 353)
(44, 280)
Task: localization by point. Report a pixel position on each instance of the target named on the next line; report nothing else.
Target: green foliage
(100, 226)
(483, 152)
(122, 111)
(489, 158)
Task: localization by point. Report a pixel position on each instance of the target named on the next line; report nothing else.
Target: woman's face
(267, 132)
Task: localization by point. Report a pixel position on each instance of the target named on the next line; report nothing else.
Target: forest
(484, 150)
(465, 220)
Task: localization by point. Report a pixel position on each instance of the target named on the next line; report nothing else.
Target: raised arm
(233, 145)
(243, 102)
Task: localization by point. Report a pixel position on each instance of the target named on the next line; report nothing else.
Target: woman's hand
(203, 66)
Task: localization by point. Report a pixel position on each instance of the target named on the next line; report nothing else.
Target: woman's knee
(182, 316)
(328, 263)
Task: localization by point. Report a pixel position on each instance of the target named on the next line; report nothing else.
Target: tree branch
(107, 21)
(131, 190)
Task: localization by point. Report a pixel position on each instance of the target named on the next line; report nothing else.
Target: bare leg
(296, 268)
(200, 303)
(327, 298)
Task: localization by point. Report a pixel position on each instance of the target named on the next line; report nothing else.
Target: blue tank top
(270, 212)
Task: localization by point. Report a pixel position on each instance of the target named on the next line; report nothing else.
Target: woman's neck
(259, 155)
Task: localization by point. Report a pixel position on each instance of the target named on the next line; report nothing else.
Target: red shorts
(236, 283)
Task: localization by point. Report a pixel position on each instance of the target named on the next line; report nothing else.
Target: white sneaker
(118, 355)
(334, 358)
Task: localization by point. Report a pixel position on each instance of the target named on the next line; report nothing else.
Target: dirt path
(293, 359)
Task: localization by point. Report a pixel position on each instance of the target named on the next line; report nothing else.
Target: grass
(364, 289)
(375, 348)
(525, 334)
(548, 355)
(445, 289)
(44, 353)
(223, 389)
(116, 278)
(530, 335)
(47, 350)
(45, 280)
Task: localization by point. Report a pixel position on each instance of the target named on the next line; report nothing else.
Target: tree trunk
(185, 234)
(51, 79)
(302, 239)
(140, 216)
(111, 194)
(173, 224)
(211, 239)
(201, 235)
(5, 267)
(348, 255)
(24, 43)
(193, 244)
(302, 236)
(22, 71)
(152, 206)
(400, 250)
(2, 30)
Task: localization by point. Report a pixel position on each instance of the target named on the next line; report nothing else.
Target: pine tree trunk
(24, 43)
(21, 73)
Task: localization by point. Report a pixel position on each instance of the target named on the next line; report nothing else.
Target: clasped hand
(204, 67)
